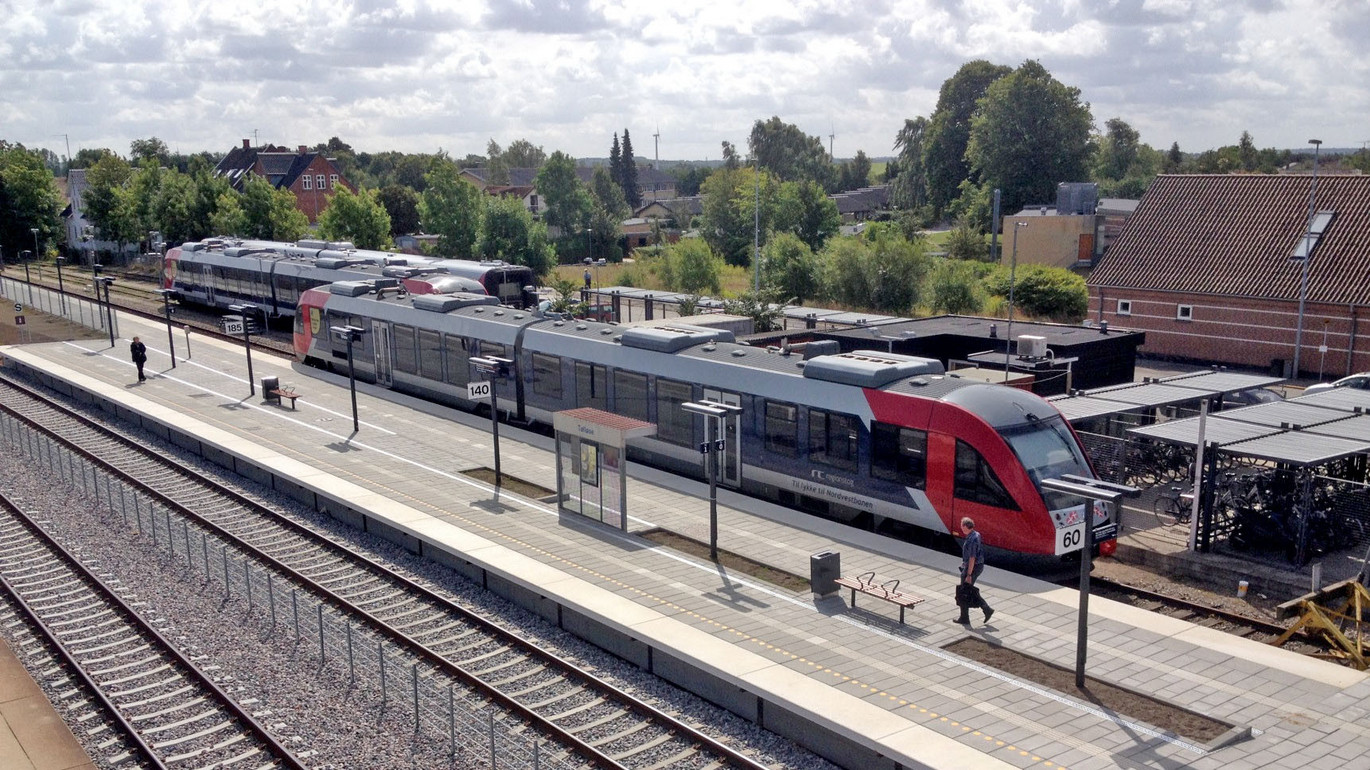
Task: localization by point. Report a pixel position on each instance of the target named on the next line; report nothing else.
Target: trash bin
(269, 384)
(824, 569)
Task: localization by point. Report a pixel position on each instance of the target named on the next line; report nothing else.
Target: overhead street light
(350, 334)
(713, 412)
(61, 290)
(1308, 253)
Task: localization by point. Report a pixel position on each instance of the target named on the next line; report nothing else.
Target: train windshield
(1048, 450)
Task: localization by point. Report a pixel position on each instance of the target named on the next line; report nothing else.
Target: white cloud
(566, 74)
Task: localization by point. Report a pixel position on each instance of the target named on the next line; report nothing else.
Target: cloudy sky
(417, 76)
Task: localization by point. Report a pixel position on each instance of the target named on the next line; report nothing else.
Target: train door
(730, 472)
(207, 279)
(380, 337)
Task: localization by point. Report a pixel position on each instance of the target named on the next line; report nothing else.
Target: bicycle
(1173, 506)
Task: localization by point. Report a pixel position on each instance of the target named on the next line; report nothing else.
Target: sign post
(712, 411)
(242, 326)
(1081, 536)
(351, 334)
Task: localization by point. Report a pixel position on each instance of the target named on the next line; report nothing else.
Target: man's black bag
(967, 595)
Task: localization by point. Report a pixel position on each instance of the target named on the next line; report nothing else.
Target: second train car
(882, 441)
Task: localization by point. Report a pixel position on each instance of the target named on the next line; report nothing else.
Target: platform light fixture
(495, 368)
(166, 310)
(242, 310)
(61, 289)
(109, 306)
(350, 335)
(713, 413)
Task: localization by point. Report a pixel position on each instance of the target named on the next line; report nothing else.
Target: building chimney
(247, 145)
(303, 149)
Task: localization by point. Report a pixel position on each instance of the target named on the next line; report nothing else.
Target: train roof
(340, 255)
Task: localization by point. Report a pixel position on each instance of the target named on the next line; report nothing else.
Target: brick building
(1211, 267)
(310, 175)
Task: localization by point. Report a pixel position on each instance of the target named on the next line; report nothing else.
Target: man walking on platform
(972, 564)
(139, 353)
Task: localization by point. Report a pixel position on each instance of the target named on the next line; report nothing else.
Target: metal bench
(865, 583)
(279, 393)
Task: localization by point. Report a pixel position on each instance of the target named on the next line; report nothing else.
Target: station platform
(32, 733)
(854, 685)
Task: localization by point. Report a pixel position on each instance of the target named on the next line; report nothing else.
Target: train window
(591, 388)
(782, 428)
(458, 370)
(899, 454)
(976, 480)
(674, 424)
(833, 439)
(430, 355)
(402, 343)
(630, 395)
(491, 349)
(547, 375)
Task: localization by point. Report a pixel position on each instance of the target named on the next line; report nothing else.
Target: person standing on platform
(972, 564)
(587, 277)
(139, 352)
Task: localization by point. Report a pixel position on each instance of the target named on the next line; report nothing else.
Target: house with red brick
(1215, 268)
(310, 175)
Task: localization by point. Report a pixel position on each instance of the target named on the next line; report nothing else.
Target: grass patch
(1143, 708)
(729, 560)
(511, 483)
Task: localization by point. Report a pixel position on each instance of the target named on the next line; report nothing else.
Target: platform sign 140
(478, 391)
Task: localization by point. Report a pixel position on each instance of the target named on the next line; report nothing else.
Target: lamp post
(95, 282)
(351, 334)
(34, 230)
(242, 311)
(28, 281)
(1307, 255)
(166, 309)
(712, 411)
(109, 306)
(493, 367)
(61, 290)
(1012, 274)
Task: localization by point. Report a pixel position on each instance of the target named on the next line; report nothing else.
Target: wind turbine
(832, 134)
(656, 147)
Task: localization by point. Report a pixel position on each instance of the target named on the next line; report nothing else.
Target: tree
(402, 205)
(616, 163)
(688, 178)
(496, 168)
(691, 267)
(1174, 159)
(270, 214)
(956, 288)
(567, 204)
(909, 187)
(87, 157)
(1053, 293)
(1030, 133)
(152, 149)
(608, 195)
(791, 268)
(29, 198)
(523, 154)
(764, 308)
(804, 209)
(358, 218)
(228, 217)
(854, 174)
(1247, 152)
(451, 207)
(947, 133)
(967, 243)
(727, 220)
(1118, 150)
(790, 154)
(628, 180)
(510, 233)
(105, 206)
(731, 160)
(881, 271)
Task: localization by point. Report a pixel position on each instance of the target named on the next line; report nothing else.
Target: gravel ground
(345, 725)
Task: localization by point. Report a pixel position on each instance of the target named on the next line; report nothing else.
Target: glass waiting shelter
(592, 473)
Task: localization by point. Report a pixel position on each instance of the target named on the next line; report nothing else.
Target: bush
(1053, 293)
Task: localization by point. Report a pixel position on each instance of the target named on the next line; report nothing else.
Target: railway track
(593, 722)
(165, 711)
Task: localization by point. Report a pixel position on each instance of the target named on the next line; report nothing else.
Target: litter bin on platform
(824, 569)
(270, 384)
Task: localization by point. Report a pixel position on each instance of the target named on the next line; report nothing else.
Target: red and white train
(885, 442)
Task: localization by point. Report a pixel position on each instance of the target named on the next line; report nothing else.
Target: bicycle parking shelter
(1318, 446)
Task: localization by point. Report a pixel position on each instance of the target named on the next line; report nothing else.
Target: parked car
(1250, 397)
(1359, 381)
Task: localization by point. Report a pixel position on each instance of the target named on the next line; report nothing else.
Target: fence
(73, 307)
(474, 729)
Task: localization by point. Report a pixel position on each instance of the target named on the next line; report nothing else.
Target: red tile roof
(1233, 235)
